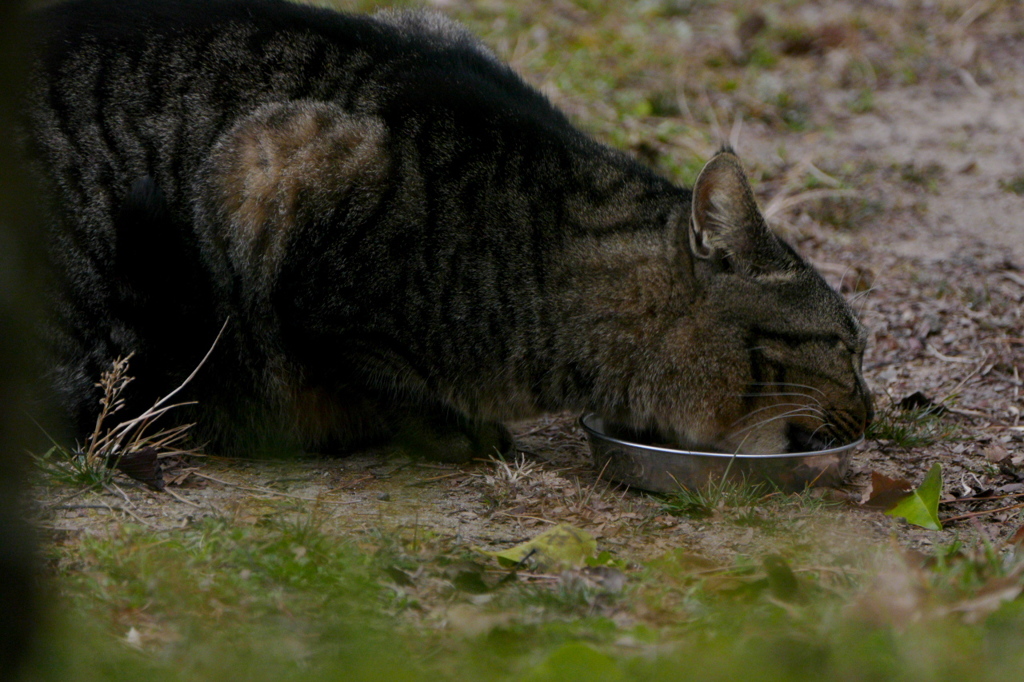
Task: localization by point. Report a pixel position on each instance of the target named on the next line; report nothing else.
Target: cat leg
(442, 435)
(349, 417)
(160, 295)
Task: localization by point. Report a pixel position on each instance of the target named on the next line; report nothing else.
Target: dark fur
(408, 240)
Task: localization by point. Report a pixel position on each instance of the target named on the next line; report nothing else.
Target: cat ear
(724, 218)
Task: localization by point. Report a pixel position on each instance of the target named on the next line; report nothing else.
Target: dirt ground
(918, 217)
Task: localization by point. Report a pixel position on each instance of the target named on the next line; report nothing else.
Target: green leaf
(921, 508)
(606, 559)
(562, 546)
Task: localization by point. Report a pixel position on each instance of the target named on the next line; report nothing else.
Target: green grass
(285, 601)
(702, 503)
(242, 602)
(913, 428)
(863, 102)
(73, 468)
(928, 176)
(1014, 185)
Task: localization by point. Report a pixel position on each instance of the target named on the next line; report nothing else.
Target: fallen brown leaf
(884, 492)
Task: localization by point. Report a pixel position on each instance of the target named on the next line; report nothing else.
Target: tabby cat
(407, 242)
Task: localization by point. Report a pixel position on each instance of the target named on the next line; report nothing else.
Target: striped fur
(408, 240)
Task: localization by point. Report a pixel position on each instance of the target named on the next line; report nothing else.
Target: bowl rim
(593, 431)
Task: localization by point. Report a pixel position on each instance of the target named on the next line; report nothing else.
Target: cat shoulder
(436, 29)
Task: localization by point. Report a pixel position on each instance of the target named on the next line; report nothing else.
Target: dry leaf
(1017, 539)
(918, 400)
(142, 465)
(995, 453)
(884, 492)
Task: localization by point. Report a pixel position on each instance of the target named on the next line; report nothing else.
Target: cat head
(768, 356)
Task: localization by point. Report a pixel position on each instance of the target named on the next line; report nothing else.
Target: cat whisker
(785, 384)
(842, 279)
(824, 425)
(782, 394)
(743, 442)
(799, 406)
(791, 413)
(861, 295)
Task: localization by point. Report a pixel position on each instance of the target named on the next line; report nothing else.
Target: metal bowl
(663, 469)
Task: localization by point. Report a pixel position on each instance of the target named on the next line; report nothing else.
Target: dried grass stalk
(106, 445)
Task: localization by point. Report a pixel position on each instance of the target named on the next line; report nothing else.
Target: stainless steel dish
(658, 468)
